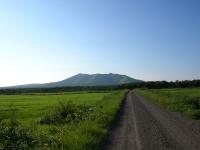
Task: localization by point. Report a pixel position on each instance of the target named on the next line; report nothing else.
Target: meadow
(183, 100)
(71, 120)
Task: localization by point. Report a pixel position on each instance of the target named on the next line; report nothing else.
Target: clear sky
(50, 40)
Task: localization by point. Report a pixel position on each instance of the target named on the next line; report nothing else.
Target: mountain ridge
(82, 79)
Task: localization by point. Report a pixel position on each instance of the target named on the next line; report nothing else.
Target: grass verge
(184, 101)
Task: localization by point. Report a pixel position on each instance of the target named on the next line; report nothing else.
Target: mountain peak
(97, 79)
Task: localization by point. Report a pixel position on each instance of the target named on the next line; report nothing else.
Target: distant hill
(85, 80)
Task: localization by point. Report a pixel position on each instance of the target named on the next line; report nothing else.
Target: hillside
(85, 80)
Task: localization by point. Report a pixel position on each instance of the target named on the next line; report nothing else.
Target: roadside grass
(79, 123)
(186, 101)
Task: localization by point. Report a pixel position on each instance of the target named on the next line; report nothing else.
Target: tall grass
(185, 101)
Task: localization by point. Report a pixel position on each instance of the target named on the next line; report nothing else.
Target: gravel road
(146, 126)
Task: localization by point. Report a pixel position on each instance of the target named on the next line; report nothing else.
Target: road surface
(146, 126)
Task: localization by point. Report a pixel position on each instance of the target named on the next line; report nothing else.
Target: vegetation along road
(144, 125)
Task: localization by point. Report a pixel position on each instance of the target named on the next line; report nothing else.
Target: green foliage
(15, 137)
(185, 101)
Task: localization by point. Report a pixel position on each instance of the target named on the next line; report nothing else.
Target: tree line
(149, 84)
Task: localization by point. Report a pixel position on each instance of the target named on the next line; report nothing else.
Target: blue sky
(49, 40)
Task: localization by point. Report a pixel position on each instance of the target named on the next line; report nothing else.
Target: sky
(50, 40)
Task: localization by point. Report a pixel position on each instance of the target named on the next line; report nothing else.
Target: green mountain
(85, 80)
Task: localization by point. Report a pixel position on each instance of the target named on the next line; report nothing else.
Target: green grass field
(31, 107)
(185, 100)
(75, 121)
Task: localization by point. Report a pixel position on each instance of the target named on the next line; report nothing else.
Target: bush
(15, 137)
(67, 113)
(193, 102)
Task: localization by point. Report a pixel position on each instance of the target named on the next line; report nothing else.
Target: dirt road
(146, 126)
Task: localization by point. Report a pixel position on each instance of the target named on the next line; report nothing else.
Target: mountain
(85, 80)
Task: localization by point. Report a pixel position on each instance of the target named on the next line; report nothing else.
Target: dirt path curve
(145, 126)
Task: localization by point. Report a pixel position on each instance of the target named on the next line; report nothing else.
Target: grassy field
(74, 121)
(183, 100)
(32, 107)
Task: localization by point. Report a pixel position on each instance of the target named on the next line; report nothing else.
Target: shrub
(67, 113)
(15, 137)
